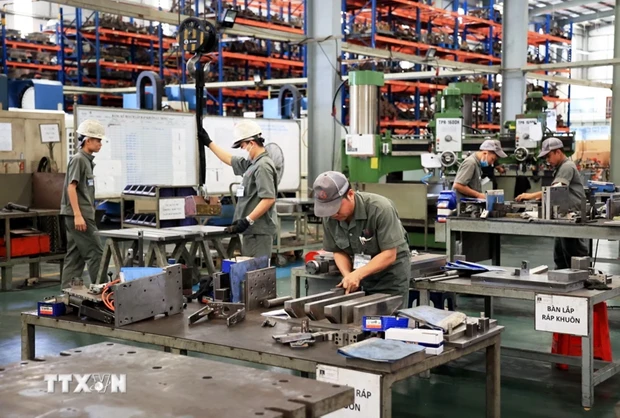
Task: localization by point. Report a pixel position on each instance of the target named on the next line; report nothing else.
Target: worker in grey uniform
(566, 174)
(255, 213)
(468, 181)
(365, 234)
(78, 206)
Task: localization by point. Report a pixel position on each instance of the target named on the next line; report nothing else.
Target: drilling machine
(386, 164)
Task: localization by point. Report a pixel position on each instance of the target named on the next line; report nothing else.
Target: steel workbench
(197, 236)
(495, 227)
(7, 263)
(141, 382)
(248, 341)
(589, 378)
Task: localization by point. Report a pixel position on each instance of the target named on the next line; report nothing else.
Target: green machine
(368, 156)
(389, 165)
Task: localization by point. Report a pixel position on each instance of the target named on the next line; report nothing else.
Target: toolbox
(25, 242)
(383, 323)
(51, 307)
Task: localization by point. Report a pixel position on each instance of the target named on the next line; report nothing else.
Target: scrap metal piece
(295, 307)
(471, 329)
(580, 263)
(305, 325)
(233, 313)
(342, 313)
(350, 336)
(302, 343)
(260, 285)
(483, 325)
(270, 303)
(385, 306)
(539, 270)
(222, 295)
(525, 268)
(292, 337)
(316, 310)
(533, 281)
(268, 323)
(567, 275)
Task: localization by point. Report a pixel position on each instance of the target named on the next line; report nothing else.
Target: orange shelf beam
(403, 124)
(488, 127)
(32, 66)
(269, 25)
(263, 60)
(253, 94)
(132, 67)
(557, 99)
(36, 47)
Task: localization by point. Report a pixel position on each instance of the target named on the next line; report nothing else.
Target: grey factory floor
(529, 389)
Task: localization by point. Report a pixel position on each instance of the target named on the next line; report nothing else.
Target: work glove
(203, 137)
(239, 226)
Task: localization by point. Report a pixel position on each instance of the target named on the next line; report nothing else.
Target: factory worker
(78, 206)
(366, 236)
(255, 213)
(566, 174)
(468, 180)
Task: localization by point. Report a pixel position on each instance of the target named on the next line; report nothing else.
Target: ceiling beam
(551, 8)
(566, 80)
(587, 18)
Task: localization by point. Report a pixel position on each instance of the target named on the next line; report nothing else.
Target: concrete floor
(529, 389)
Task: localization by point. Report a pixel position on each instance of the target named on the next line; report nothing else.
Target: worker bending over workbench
(566, 174)
(366, 236)
(468, 181)
(255, 213)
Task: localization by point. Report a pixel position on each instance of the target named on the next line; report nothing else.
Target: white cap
(91, 129)
(245, 130)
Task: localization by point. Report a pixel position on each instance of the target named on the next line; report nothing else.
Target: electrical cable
(595, 255)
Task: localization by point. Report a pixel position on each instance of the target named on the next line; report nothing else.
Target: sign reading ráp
(367, 403)
(566, 315)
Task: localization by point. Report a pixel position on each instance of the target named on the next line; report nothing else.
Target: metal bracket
(233, 313)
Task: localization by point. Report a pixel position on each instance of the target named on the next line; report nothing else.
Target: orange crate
(26, 243)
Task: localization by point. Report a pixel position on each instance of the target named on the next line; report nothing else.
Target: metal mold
(260, 285)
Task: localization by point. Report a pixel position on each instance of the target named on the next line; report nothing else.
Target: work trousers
(83, 248)
(256, 245)
(565, 248)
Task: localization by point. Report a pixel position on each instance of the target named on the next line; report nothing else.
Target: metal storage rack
(155, 194)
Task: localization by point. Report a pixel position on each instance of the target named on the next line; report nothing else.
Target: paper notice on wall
(50, 132)
(171, 209)
(528, 133)
(6, 137)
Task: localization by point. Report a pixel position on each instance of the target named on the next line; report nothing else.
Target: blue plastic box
(383, 323)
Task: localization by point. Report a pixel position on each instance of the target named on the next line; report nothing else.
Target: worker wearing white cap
(78, 206)
(365, 234)
(255, 215)
(468, 180)
(566, 174)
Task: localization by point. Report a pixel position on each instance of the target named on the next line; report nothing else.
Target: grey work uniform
(260, 181)
(565, 248)
(374, 217)
(82, 247)
(470, 175)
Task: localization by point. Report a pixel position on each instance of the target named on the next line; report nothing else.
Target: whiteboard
(142, 147)
(285, 133)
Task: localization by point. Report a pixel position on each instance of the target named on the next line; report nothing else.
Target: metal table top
(161, 384)
(464, 285)
(33, 213)
(149, 234)
(599, 229)
(202, 230)
(245, 341)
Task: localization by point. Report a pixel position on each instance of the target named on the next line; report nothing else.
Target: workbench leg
(587, 366)
(386, 398)
(175, 351)
(295, 284)
(493, 379)
(451, 238)
(219, 247)
(206, 253)
(235, 242)
(35, 270)
(159, 249)
(425, 297)
(7, 278)
(28, 349)
(180, 253)
(496, 240)
(488, 306)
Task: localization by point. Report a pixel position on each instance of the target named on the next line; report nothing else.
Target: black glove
(204, 137)
(239, 226)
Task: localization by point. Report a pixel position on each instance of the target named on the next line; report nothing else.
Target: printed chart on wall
(285, 133)
(142, 147)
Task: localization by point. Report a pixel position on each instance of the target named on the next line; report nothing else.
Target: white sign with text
(563, 314)
(367, 403)
(171, 209)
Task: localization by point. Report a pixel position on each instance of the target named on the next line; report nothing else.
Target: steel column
(323, 80)
(514, 57)
(614, 163)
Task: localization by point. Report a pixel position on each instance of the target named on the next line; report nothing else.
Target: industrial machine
(389, 165)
